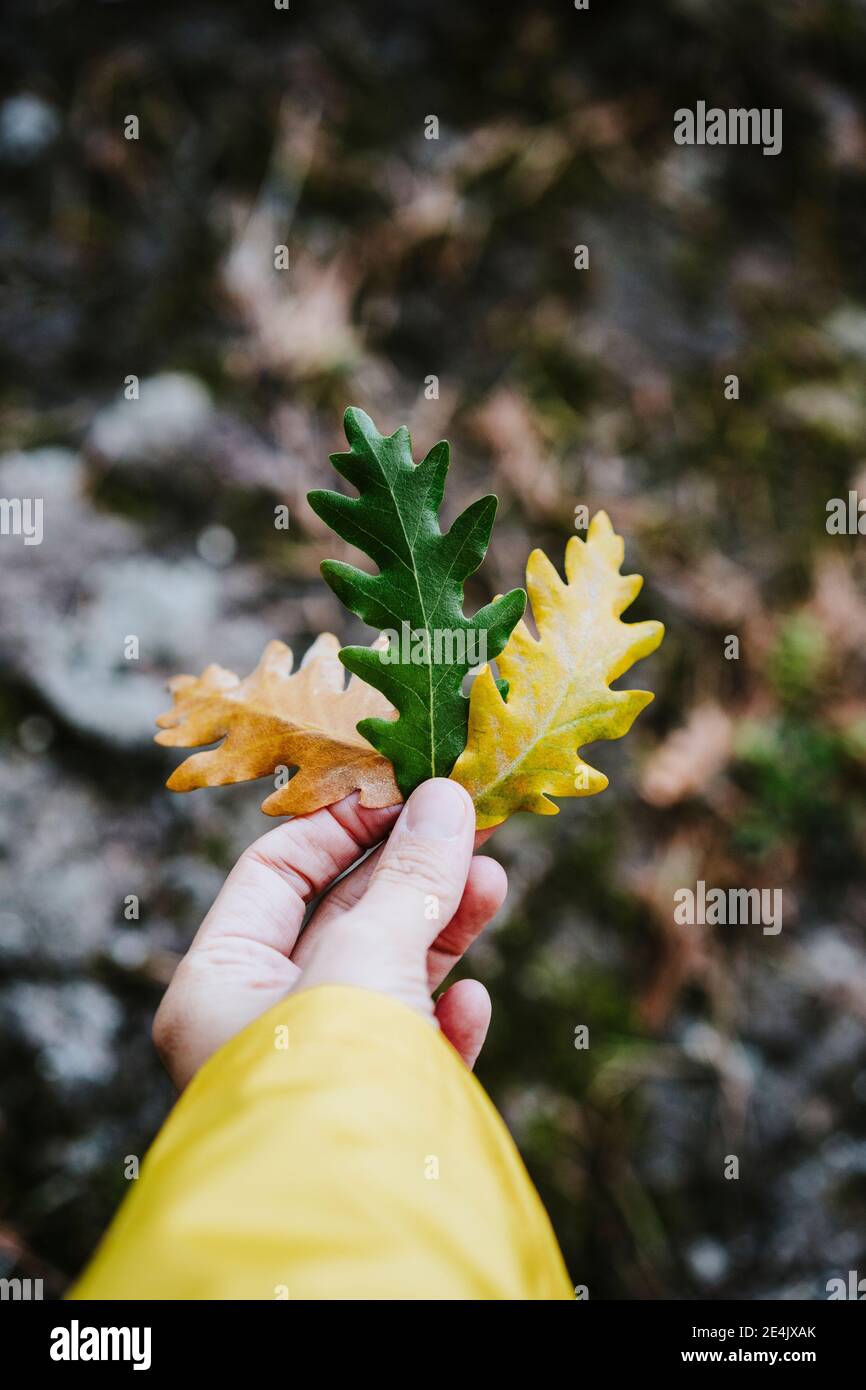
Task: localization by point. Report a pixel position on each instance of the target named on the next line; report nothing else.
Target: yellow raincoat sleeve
(337, 1148)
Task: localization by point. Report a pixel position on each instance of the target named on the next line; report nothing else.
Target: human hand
(396, 924)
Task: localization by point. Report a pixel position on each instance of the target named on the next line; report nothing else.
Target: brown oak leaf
(273, 719)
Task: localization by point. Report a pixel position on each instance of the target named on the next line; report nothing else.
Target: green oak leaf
(418, 590)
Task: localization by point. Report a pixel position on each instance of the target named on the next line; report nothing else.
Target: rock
(28, 125)
(826, 408)
(846, 327)
(64, 868)
(80, 594)
(708, 1260)
(71, 1026)
(171, 411)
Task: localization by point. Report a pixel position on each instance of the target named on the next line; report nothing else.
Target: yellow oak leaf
(524, 749)
(274, 719)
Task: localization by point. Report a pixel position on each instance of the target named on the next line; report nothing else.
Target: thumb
(414, 891)
(419, 880)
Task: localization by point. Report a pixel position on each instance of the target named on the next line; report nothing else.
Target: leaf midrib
(410, 546)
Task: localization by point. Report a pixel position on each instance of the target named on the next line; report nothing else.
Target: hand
(396, 924)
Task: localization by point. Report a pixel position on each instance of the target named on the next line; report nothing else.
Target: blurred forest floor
(452, 257)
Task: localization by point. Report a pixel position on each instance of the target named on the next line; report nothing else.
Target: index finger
(266, 894)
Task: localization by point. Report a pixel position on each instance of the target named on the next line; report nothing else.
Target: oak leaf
(417, 596)
(275, 719)
(524, 749)
(690, 758)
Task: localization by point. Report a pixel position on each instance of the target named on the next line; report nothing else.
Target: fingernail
(436, 810)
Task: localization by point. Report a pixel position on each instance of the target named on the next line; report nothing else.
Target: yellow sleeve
(337, 1148)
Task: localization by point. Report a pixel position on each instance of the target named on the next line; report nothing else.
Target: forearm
(338, 1148)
